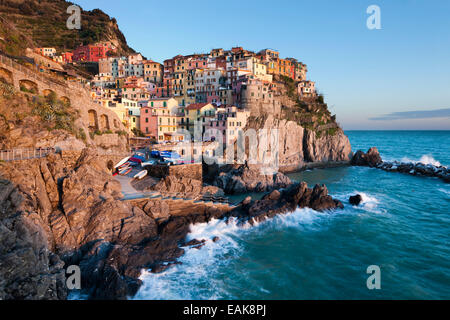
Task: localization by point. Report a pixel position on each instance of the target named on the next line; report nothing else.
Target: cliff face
(28, 270)
(40, 112)
(307, 133)
(66, 210)
(43, 24)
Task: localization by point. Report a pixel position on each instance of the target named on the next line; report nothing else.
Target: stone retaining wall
(192, 171)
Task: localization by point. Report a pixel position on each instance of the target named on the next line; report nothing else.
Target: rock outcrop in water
(373, 159)
(417, 169)
(277, 202)
(355, 200)
(243, 178)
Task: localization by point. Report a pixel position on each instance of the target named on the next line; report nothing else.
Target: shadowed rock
(355, 200)
(371, 159)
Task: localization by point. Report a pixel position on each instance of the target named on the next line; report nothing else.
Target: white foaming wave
(301, 217)
(197, 276)
(425, 159)
(447, 192)
(194, 278)
(368, 203)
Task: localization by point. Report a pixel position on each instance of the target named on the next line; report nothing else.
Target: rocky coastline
(373, 159)
(73, 214)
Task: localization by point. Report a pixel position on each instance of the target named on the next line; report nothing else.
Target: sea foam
(425, 159)
(197, 277)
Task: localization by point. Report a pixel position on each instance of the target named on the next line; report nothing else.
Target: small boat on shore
(140, 174)
(121, 162)
(124, 168)
(126, 171)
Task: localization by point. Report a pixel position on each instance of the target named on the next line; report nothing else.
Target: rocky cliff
(30, 120)
(307, 132)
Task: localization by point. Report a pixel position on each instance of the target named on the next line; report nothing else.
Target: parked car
(169, 154)
(173, 161)
(155, 154)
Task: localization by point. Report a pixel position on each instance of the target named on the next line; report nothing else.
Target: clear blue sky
(364, 74)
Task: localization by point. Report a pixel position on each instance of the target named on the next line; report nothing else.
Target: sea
(402, 229)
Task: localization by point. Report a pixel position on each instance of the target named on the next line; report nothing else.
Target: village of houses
(165, 104)
(155, 100)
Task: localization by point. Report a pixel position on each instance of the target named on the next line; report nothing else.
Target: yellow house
(135, 122)
(119, 109)
(165, 111)
(153, 71)
(200, 112)
(166, 123)
(169, 103)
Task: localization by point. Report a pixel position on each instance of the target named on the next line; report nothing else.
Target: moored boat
(121, 162)
(140, 174)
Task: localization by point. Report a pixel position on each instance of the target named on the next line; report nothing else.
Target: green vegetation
(55, 114)
(121, 133)
(43, 22)
(108, 131)
(320, 99)
(25, 89)
(81, 135)
(6, 90)
(332, 131)
(291, 87)
(137, 132)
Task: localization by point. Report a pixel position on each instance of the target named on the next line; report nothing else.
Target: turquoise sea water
(403, 226)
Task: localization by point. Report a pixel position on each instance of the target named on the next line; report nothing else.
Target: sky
(371, 79)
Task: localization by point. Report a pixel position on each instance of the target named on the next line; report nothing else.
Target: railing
(26, 154)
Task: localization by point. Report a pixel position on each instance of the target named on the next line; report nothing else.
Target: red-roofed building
(90, 53)
(67, 57)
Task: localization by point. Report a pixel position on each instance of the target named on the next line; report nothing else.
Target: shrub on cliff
(55, 114)
(6, 90)
(137, 132)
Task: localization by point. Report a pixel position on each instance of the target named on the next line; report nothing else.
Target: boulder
(248, 178)
(355, 200)
(371, 159)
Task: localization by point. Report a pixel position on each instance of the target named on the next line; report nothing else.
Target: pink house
(149, 122)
